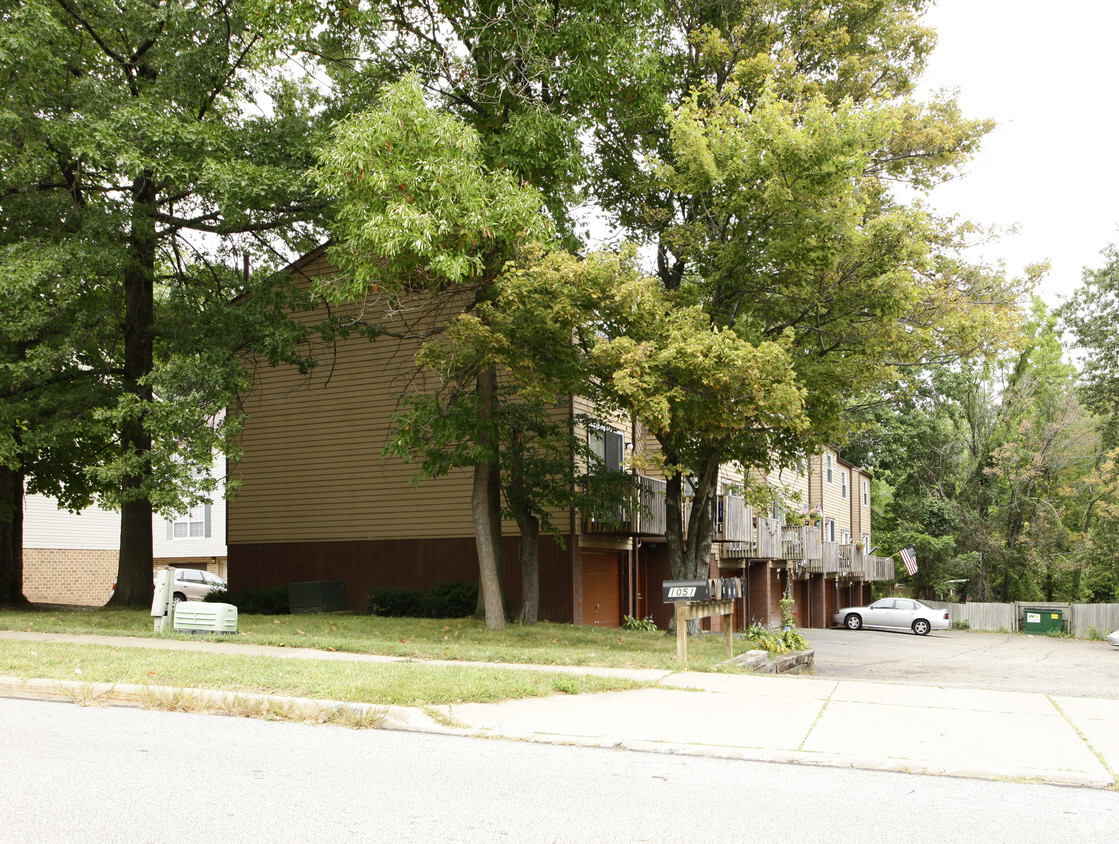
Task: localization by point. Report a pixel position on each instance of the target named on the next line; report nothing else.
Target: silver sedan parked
(1113, 639)
(893, 614)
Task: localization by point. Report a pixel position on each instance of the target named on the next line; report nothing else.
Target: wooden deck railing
(769, 538)
(879, 568)
(645, 519)
(746, 536)
(801, 543)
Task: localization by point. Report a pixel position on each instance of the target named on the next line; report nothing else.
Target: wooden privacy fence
(1079, 619)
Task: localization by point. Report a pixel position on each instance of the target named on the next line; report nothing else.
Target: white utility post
(163, 602)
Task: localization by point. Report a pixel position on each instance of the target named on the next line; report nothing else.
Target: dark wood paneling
(418, 564)
(602, 594)
(653, 570)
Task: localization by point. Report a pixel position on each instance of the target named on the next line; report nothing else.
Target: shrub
(447, 600)
(794, 641)
(267, 600)
(451, 600)
(631, 623)
(961, 624)
(766, 640)
(396, 602)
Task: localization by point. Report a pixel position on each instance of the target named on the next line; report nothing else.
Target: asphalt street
(93, 774)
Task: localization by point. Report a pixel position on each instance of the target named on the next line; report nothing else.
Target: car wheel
(179, 596)
(921, 627)
(853, 621)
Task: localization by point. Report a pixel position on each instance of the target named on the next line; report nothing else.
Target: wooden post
(681, 633)
(728, 635)
(703, 609)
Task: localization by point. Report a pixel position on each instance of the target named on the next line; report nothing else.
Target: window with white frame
(607, 444)
(866, 493)
(866, 542)
(843, 483)
(829, 530)
(828, 469)
(845, 538)
(193, 524)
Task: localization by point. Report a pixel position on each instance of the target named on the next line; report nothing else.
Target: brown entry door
(602, 594)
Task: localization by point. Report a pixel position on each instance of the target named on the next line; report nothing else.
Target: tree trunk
(134, 569)
(530, 567)
(11, 538)
(689, 555)
(486, 505)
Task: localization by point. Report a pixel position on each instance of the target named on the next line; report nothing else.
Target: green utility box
(1042, 621)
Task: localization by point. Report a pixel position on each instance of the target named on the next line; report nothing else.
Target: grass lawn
(466, 640)
(406, 684)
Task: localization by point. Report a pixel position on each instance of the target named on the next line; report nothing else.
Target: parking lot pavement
(969, 660)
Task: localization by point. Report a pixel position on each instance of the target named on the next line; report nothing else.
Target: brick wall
(85, 578)
(214, 565)
(56, 576)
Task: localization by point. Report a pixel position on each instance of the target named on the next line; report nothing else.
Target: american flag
(909, 557)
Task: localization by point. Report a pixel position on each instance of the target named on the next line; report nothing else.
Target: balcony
(801, 543)
(647, 518)
(852, 562)
(842, 557)
(879, 568)
(769, 539)
(735, 527)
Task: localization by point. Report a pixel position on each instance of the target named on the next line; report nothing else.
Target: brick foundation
(85, 578)
(57, 576)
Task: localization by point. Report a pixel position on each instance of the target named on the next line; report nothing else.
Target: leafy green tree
(1091, 314)
(167, 144)
(524, 79)
(51, 358)
(651, 352)
(764, 180)
(422, 214)
(990, 470)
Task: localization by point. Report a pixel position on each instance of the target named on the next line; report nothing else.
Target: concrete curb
(215, 701)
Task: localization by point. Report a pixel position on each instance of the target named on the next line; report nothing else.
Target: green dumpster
(1035, 620)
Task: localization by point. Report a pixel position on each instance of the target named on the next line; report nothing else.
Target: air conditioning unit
(317, 596)
(205, 618)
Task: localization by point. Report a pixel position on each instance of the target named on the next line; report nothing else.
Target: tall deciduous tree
(157, 134)
(765, 184)
(52, 355)
(1092, 314)
(422, 214)
(992, 472)
(526, 78)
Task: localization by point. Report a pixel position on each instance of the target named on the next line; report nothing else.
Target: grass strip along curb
(267, 707)
(375, 683)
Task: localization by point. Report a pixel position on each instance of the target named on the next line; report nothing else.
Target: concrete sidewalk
(805, 720)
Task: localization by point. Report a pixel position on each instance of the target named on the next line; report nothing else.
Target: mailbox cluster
(717, 589)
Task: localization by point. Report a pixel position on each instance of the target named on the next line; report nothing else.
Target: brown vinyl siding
(418, 564)
(312, 468)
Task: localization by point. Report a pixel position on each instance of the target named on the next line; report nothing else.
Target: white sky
(1048, 72)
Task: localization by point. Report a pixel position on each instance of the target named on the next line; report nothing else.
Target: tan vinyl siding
(860, 513)
(832, 502)
(792, 483)
(312, 466)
